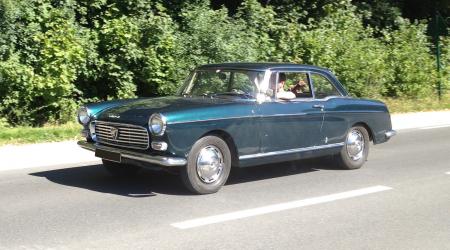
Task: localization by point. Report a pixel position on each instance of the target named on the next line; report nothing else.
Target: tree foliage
(55, 55)
(411, 60)
(340, 42)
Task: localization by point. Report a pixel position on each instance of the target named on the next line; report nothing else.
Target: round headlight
(83, 116)
(157, 124)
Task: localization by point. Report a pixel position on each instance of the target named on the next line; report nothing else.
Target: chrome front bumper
(132, 155)
(390, 134)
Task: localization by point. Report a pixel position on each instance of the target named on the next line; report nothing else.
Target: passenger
(300, 87)
(283, 94)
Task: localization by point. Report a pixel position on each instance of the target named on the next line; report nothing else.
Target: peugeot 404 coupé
(235, 115)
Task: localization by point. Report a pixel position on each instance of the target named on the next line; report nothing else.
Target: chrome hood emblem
(114, 116)
(114, 132)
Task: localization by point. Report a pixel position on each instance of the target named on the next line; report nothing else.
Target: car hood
(138, 111)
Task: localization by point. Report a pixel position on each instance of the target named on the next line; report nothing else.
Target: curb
(44, 155)
(420, 120)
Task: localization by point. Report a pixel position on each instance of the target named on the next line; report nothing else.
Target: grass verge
(49, 133)
(401, 105)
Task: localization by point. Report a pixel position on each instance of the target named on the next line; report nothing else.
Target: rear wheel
(208, 166)
(119, 169)
(356, 148)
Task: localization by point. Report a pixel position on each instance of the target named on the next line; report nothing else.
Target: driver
(283, 94)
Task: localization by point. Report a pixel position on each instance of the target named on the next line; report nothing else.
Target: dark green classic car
(235, 115)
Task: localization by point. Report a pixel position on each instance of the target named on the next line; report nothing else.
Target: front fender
(181, 136)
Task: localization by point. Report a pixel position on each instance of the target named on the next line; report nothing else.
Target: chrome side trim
(290, 151)
(390, 133)
(277, 115)
(355, 111)
(144, 157)
(207, 120)
(238, 117)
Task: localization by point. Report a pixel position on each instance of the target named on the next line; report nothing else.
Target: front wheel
(356, 148)
(208, 165)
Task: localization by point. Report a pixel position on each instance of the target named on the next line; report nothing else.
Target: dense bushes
(411, 61)
(43, 53)
(55, 55)
(340, 42)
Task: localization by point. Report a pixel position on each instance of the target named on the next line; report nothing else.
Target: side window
(323, 87)
(292, 85)
(242, 83)
(298, 83)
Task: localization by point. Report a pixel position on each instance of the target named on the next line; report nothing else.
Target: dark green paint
(255, 127)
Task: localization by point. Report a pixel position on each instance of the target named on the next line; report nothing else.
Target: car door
(289, 126)
(326, 94)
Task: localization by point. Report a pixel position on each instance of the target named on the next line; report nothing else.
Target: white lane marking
(277, 207)
(439, 126)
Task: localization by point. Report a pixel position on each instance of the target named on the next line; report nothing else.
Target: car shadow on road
(150, 183)
(96, 178)
(276, 170)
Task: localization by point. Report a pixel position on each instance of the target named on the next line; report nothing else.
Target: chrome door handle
(318, 106)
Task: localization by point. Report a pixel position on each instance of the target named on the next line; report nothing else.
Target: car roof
(261, 66)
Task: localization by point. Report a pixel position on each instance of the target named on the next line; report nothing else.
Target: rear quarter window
(323, 87)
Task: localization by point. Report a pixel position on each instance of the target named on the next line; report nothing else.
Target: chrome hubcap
(209, 164)
(355, 144)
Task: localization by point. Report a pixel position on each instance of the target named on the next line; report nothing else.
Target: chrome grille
(122, 135)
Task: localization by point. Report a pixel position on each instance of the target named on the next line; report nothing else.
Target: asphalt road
(400, 199)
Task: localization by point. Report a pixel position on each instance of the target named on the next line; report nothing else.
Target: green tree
(55, 55)
(210, 36)
(44, 53)
(340, 42)
(411, 60)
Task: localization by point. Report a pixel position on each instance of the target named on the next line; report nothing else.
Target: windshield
(223, 83)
